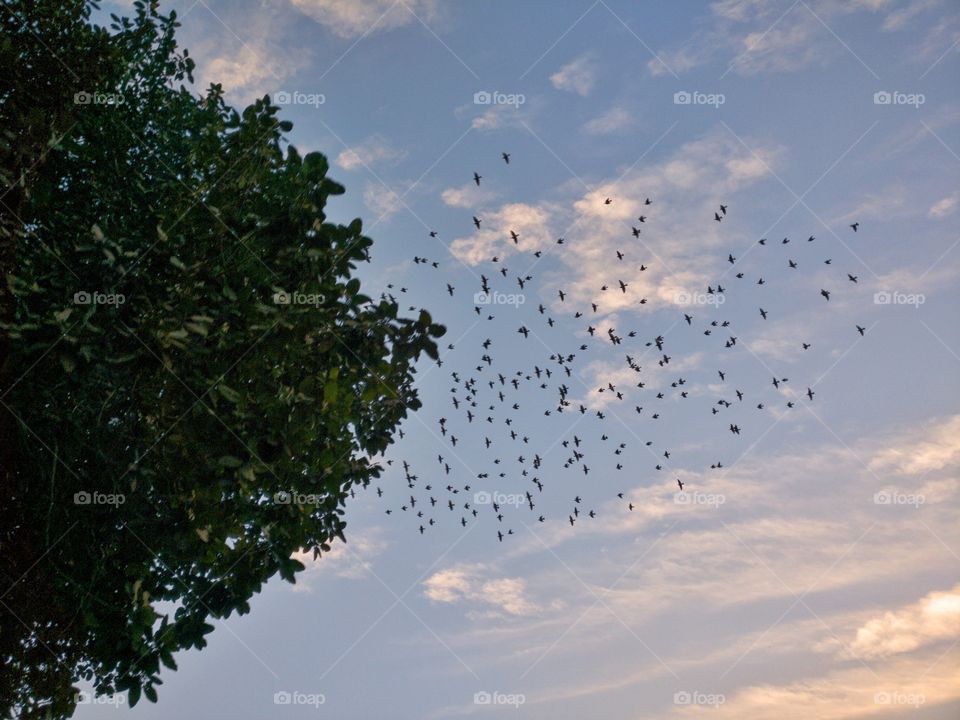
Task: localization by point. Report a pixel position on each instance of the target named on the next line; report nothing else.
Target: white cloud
(350, 560)
(944, 206)
(889, 691)
(934, 617)
(357, 18)
(673, 245)
(577, 76)
(381, 200)
(371, 151)
(250, 67)
(499, 595)
(614, 119)
(531, 223)
(762, 37)
(937, 447)
(467, 196)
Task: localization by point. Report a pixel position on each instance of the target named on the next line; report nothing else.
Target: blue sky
(816, 573)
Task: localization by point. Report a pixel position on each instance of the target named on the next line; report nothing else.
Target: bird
(855, 226)
(506, 157)
(477, 178)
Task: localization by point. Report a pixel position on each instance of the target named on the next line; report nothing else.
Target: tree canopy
(192, 378)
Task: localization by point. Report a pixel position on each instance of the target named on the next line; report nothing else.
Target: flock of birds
(488, 405)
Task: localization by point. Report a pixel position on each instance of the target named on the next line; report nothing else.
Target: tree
(193, 380)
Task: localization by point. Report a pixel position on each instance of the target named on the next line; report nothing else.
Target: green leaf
(228, 393)
(330, 391)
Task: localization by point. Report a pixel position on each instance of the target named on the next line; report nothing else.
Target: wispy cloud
(577, 76)
(358, 18)
(375, 149)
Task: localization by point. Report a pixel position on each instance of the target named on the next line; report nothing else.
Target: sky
(817, 572)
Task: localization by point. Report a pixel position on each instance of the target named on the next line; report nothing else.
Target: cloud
(467, 196)
(530, 222)
(754, 37)
(934, 617)
(350, 560)
(248, 68)
(366, 154)
(788, 579)
(944, 206)
(490, 596)
(614, 119)
(381, 200)
(936, 447)
(673, 244)
(358, 18)
(843, 694)
(577, 76)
